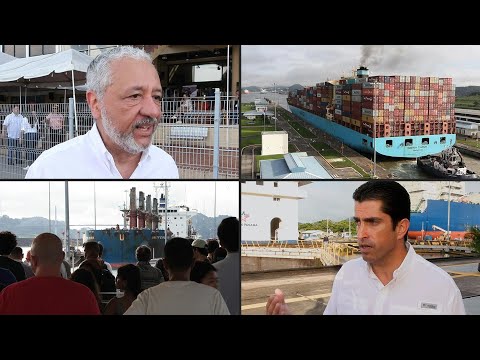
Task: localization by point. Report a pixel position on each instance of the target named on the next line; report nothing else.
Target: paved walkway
(303, 144)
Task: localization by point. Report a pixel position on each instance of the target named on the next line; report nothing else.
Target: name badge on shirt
(428, 306)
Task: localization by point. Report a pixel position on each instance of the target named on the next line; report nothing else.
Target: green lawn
(254, 130)
(251, 140)
(258, 122)
(247, 107)
(328, 153)
(468, 102)
(469, 142)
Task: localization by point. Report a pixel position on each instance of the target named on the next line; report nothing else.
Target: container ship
(144, 223)
(396, 116)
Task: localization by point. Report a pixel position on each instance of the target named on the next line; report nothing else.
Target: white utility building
(274, 142)
(270, 210)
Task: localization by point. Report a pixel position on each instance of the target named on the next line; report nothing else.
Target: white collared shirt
(418, 287)
(228, 272)
(86, 157)
(13, 123)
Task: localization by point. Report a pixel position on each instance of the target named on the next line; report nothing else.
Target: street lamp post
(264, 119)
(276, 100)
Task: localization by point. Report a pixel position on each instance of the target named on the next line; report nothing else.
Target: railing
(211, 149)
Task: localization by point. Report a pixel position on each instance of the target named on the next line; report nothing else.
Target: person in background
(13, 126)
(200, 251)
(129, 282)
(149, 275)
(100, 253)
(212, 245)
(30, 133)
(390, 278)
(179, 295)
(8, 242)
(204, 273)
(87, 278)
(47, 293)
(228, 269)
(124, 95)
(55, 123)
(219, 254)
(17, 255)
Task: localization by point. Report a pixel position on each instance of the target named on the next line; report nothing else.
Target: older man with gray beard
(124, 95)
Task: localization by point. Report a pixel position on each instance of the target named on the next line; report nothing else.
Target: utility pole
(276, 100)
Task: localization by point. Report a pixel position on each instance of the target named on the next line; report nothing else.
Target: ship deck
(307, 291)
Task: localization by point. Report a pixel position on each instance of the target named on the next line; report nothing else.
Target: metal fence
(201, 134)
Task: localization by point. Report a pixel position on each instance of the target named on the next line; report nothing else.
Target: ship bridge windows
(408, 142)
(425, 141)
(364, 142)
(389, 143)
(371, 145)
(443, 140)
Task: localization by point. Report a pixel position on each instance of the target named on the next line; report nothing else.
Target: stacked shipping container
(393, 105)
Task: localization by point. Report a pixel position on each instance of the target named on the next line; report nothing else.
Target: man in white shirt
(389, 278)
(124, 95)
(13, 124)
(228, 269)
(179, 295)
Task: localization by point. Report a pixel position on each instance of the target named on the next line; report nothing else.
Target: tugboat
(448, 164)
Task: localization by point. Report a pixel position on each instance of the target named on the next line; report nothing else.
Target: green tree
(476, 238)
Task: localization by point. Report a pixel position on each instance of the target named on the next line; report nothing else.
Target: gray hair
(99, 75)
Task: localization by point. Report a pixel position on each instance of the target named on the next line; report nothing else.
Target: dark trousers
(13, 147)
(31, 140)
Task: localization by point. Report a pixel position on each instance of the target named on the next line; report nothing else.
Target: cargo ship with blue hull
(142, 226)
(396, 116)
(434, 220)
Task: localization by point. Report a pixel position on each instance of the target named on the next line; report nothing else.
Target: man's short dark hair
(92, 248)
(100, 249)
(212, 245)
(8, 241)
(17, 252)
(143, 253)
(178, 254)
(394, 197)
(228, 234)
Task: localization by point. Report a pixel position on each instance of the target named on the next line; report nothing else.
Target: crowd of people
(185, 282)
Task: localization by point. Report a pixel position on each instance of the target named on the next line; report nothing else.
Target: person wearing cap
(390, 278)
(55, 122)
(200, 250)
(124, 94)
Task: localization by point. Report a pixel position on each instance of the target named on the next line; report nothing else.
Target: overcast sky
(333, 199)
(264, 65)
(20, 199)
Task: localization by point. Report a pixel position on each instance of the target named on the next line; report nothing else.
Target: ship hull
(387, 146)
(119, 245)
(462, 216)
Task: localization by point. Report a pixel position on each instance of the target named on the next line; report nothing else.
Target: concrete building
(274, 142)
(270, 210)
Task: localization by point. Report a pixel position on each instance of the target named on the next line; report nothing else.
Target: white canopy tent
(57, 70)
(5, 58)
